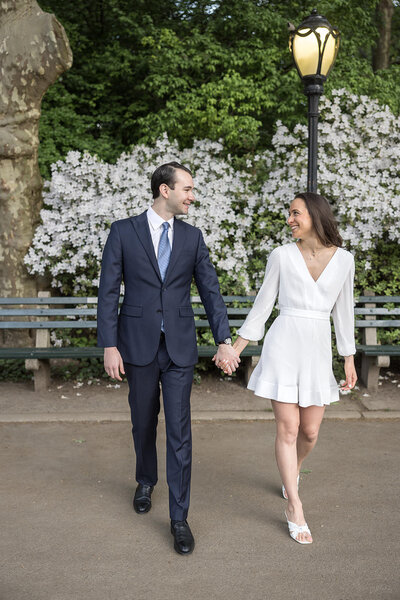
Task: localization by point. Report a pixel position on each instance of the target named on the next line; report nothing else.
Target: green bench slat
(85, 324)
(93, 300)
(46, 312)
(244, 310)
(379, 350)
(94, 352)
(372, 323)
(52, 352)
(250, 350)
(232, 323)
(373, 311)
(51, 300)
(377, 299)
(194, 299)
(199, 323)
(47, 324)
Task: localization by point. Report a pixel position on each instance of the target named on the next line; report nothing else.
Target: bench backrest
(237, 306)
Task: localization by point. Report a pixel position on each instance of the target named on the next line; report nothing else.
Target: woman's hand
(350, 373)
(239, 345)
(226, 359)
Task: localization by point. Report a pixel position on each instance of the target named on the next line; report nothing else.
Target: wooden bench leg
(41, 368)
(370, 368)
(41, 373)
(249, 363)
(42, 376)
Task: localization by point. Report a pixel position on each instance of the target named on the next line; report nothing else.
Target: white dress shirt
(155, 225)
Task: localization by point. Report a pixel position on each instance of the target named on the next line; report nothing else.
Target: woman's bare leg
(310, 422)
(287, 418)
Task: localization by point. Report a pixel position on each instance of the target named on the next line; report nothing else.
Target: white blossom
(242, 220)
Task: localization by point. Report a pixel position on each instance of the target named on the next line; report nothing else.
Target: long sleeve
(343, 316)
(109, 290)
(208, 286)
(254, 326)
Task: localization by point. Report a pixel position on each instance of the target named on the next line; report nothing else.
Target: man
(153, 339)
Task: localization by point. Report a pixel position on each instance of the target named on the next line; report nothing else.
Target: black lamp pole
(314, 45)
(313, 91)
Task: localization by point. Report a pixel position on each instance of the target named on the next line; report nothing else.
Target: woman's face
(299, 220)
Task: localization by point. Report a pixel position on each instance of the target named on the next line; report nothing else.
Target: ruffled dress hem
(293, 394)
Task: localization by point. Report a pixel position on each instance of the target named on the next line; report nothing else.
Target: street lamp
(314, 45)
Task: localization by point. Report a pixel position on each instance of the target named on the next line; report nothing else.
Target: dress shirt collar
(156, 221)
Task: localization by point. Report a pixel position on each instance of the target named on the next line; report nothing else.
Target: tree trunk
(381, 57)
(34, 51)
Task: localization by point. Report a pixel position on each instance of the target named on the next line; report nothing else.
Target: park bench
(374, 355)
(47, 313)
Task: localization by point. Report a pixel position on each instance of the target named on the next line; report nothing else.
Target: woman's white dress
(296, 360)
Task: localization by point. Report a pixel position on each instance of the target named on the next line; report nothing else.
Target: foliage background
(198, 69)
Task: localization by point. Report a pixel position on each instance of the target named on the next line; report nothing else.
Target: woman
(313, 278)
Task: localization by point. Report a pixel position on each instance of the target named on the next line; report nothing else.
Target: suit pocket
(131, 311)
(186, 311)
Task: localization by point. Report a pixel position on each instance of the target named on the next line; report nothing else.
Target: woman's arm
(240, 344)
(343, 319)
(254, 326)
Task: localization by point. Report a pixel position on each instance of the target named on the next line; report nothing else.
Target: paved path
(213, 400)
(69, 531)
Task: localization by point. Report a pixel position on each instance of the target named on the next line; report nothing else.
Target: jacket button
(158, 310)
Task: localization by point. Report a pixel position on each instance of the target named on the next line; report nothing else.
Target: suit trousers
(144, 400)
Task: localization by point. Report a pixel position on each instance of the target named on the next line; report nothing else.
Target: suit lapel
(141, 227)
(177, 245)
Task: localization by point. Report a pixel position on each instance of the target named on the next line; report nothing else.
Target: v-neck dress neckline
(308, 270)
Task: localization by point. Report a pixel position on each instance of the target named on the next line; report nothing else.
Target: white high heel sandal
(295, 529)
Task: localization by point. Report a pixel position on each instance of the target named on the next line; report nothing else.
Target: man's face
(178, 200)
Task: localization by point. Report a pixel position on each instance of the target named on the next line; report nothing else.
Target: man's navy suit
(149, 355)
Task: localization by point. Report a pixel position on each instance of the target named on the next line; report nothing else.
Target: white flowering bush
(241, 213)
(358, 169)
(85, 195)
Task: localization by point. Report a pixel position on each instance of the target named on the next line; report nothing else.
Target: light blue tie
(164, 254)
(164, 251)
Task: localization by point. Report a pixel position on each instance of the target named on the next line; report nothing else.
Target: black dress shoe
(142, 498)
(183, 538)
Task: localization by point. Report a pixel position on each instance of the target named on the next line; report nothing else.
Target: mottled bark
(34, 51)
(381, 57)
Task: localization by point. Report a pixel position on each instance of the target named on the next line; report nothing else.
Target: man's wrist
(227, 341)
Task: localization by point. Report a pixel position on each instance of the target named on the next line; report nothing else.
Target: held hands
(350, 373)
(227, 359)
(113, 363)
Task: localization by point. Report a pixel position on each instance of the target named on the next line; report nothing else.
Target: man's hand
(226, 359)
(113, 363)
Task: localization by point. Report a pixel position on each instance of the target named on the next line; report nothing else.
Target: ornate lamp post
(314, 45)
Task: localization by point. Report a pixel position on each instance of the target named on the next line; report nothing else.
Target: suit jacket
(129, 256)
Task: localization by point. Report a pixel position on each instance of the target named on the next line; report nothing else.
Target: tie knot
(165, 225)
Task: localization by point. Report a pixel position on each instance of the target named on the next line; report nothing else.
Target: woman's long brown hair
(323, 219)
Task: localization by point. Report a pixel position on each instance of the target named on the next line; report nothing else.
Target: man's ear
(164, 190)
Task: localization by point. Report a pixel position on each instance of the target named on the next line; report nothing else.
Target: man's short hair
(166, 174)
